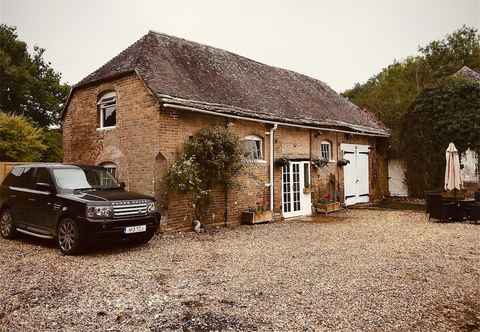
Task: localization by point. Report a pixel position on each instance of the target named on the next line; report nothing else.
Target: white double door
(356, 174)
(296, 201)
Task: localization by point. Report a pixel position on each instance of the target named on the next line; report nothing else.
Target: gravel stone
(354, 270)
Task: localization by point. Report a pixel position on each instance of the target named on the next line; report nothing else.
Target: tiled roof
(469, 73)
(188, 74)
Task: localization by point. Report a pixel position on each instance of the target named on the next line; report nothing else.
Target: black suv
(73, 204)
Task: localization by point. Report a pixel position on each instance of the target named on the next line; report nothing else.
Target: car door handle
(12, 196)
(32, 199)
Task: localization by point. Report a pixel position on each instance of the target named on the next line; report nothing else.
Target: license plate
(135, 229)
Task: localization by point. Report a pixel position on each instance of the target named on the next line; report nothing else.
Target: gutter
(188, 108)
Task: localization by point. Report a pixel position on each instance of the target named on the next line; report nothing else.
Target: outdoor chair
(441, 209)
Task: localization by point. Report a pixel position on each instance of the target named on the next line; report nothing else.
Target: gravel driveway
(359, 269)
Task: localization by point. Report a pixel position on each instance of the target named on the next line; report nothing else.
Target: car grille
(132, 208)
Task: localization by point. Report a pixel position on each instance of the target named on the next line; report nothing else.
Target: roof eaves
(226, 110)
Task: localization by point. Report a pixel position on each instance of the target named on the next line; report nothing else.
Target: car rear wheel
(68, 237)
(7, 227)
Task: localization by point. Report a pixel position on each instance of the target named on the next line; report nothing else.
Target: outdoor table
(451, 208)
(470, 209)
(461, 209)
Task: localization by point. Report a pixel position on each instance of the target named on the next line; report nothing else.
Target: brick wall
(149, 138)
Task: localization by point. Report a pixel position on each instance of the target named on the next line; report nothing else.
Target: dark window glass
(253, 149)
(326, 151)
(18, 177)
(108, 110)
(26, 179)
(10, 180)
(109, 117)
(43, 176)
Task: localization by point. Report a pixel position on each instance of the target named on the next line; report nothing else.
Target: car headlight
(151, 207)
(99, 211)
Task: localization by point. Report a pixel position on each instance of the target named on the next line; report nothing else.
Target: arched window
(326, 150)
(111, 168)
(107, 109)
(253, 147)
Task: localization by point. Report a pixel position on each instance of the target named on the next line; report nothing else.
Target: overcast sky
(339, 42)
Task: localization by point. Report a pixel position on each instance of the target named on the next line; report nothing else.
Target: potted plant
(326, 205)
(320, 163)
(343, 162)
(280, 162)
(256, 215)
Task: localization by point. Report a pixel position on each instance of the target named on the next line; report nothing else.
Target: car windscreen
(84, 178)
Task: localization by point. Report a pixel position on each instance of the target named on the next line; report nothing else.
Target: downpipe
(272, 186)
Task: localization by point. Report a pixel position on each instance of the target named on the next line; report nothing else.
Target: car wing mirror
(122, 185)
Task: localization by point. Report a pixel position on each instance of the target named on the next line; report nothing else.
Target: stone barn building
(133, 115)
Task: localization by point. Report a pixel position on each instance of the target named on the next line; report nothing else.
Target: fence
(6, 166)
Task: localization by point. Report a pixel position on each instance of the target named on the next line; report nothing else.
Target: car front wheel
(68, 237)
(7, 227)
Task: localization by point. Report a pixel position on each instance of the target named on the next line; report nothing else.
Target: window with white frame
(253, 147)
(107, 108)
(326, 150)
(111, 168)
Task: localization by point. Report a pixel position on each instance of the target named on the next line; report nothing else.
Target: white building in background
(469, 162)
(397, 183)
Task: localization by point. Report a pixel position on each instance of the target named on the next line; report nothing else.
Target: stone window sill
(106, 128)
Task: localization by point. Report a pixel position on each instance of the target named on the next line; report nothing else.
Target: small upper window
(107, 108)
(111, 168)
(253, 147)
(326, 150)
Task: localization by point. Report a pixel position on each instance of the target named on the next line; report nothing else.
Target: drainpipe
(272, 186)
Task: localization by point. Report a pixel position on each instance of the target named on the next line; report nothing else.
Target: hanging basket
(280, 162)
(320, 163)
(343, 162)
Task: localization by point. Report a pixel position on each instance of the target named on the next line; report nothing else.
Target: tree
(29, 86)
(19, 139)
(442, 58)
(439, 115)
(390, 94)
(212, 158)
(52, 139)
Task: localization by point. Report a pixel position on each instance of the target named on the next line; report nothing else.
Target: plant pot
(327, 207)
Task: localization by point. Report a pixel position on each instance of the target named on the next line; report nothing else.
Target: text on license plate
(135, 229)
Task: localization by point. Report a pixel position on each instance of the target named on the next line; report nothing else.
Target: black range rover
(73, 204)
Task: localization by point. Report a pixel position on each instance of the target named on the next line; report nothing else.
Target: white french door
(355, 173)
(295, 178)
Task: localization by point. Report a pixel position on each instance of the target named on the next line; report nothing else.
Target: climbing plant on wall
(214, 157)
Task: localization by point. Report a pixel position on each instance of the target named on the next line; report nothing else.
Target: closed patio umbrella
(453, 178)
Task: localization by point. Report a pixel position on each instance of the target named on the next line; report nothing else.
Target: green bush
(19, 139)
(448, 113)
